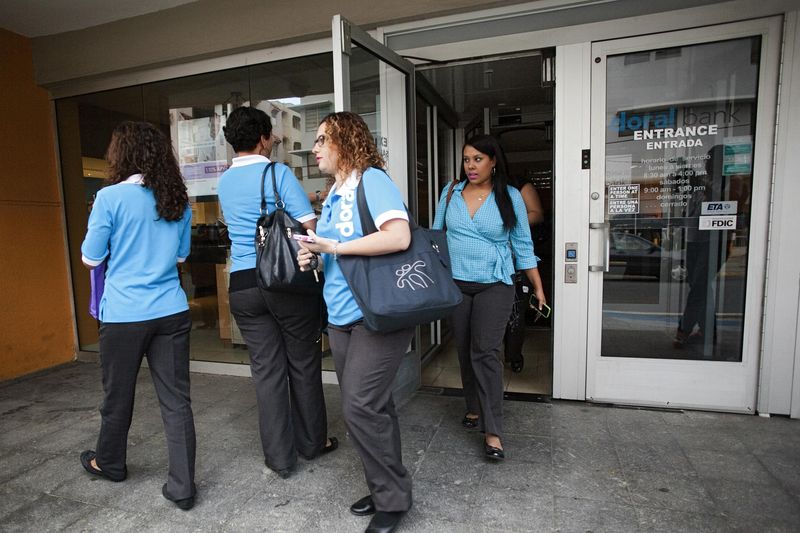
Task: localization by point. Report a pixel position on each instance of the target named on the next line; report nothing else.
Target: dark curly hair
(244, 128)
(141, 148)
(353, 140)
(488, 145)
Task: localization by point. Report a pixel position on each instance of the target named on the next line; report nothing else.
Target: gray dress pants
(165, 343)
(281, 331)
(366, 365)
(479, 323)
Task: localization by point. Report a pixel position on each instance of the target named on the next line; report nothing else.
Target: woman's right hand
(304, 258)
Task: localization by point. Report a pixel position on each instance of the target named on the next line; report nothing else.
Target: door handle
(605, 226)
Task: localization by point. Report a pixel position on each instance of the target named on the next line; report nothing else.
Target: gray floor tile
(748, 502)
(513, 510)
(671, 490)
(587, 450)
(528, 448)
(736, 466)
(652, 457)
(578, 515)
(534, 477)
(451, 468)
(786, 468)
(103, 520)
(661, 520)
(47, 513)
(591, 482)
(443, 503)
(265, 512)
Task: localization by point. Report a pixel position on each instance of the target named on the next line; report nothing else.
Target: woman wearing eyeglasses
(486, 222)
(366, 361)
(281, 330)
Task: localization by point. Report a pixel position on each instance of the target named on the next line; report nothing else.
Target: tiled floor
(571, 466)
(535, 378)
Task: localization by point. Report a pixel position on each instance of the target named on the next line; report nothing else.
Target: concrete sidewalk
(570, 467)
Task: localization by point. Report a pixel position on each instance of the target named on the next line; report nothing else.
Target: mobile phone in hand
(301, 237)
(544, 312)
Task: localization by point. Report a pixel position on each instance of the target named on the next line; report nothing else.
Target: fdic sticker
(718, 222)
(719, 208)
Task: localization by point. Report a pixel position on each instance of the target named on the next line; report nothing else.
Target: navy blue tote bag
(402, 289)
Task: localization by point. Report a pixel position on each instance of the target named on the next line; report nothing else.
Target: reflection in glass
(296, 93)
(679, 150)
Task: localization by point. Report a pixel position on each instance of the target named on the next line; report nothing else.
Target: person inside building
(141, 224)
(515, 330)
(281, 329)
(366, 361)
(489, 239)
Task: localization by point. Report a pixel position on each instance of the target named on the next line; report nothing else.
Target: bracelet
(336, 251)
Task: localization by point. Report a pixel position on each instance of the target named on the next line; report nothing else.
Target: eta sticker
(711, 223)
(719, 208)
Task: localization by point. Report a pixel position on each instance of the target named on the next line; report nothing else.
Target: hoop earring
(494, 171)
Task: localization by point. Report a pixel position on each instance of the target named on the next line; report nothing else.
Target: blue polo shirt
(142, 280)
(340, 221)
(239, 193)
(480, 247)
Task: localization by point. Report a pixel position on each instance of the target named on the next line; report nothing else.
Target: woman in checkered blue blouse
(489, 239)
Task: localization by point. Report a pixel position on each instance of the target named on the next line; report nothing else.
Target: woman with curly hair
(281, 329)
(141, 223)
(366, 361)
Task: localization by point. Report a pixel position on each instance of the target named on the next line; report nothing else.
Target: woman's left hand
(538, 293)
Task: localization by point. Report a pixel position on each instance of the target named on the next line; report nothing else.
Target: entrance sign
(719, 208)
(623, 199)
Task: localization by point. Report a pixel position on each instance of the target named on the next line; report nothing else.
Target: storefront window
(295, 93)
(679, 169)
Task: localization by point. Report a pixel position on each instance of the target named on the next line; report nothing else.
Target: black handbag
(402, 289)
(276, 251)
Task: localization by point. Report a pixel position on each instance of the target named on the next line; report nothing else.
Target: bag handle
(367, 222)
(278, 202)
(447, 202)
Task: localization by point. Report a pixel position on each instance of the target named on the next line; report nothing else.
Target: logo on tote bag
(412, 276)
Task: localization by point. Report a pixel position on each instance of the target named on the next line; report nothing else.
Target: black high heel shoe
(496, 454)
(517, 365)
(469, 422)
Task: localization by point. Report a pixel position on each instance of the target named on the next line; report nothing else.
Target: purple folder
(97, 278)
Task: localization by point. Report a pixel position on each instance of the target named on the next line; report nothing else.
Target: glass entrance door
(680, 172)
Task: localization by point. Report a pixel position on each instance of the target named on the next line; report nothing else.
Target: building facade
(660, 137)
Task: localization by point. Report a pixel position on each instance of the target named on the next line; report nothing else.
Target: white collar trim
(135, 179)
(349, 184)
(248, 160)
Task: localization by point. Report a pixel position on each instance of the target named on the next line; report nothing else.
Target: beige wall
(35, 318)
(210, 28)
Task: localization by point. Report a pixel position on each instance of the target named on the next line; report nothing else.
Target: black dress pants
(282, 331)
(366, 365)
(479, 323)
(165, 343)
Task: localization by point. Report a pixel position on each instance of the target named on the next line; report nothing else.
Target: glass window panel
(85, 124)
(679, 153)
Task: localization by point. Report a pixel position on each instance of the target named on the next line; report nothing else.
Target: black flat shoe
(330, 447)
(493, 453)
(184, 504)
(470, 423)
(517, 365)
(86, 462)
(384, 522)
(363, 507)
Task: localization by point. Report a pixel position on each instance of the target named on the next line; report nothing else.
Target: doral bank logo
(413, 276)
(626, 122)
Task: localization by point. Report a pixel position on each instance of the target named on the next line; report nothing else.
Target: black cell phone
(544, 312)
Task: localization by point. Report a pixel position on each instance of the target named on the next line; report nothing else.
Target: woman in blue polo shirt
(486, 222)
(366, 361)
(281, 329)
(141, 223)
